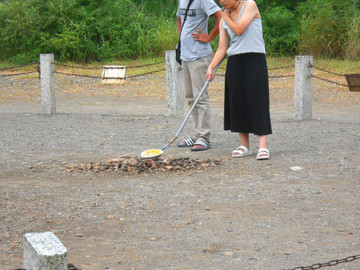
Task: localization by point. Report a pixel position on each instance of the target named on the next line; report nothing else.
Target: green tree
(288, 4)
(280, 28)
(106, 30)
(79, 30)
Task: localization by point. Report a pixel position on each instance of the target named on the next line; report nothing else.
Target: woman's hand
(226, 13)
(209, 74)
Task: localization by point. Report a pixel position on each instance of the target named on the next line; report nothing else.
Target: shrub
(82, 30)
(329, 28)
(352, 47)
(280, 29)
(108, 30)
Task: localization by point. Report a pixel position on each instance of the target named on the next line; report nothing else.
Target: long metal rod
(191, 108)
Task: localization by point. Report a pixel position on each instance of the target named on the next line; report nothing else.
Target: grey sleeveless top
(251, 41)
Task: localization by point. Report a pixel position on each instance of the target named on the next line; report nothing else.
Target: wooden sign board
(113, 74)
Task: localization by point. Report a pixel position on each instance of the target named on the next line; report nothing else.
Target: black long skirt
(247, 108)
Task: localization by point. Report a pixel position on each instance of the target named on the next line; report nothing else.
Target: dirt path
(244, 214)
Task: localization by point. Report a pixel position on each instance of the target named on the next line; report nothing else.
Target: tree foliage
(330, 28)
(106, 30)
(78, 30)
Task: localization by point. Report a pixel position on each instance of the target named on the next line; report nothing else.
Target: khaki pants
(194, 73)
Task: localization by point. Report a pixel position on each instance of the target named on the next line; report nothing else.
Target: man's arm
(178, 24)
(205, 37)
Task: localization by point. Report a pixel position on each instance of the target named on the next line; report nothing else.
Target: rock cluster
(139, 165)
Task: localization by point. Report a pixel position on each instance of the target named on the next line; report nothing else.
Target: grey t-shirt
(197, 18)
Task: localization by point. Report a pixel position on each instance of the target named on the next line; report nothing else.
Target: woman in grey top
(246, 108)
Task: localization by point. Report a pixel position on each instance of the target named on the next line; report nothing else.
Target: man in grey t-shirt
(196, 57)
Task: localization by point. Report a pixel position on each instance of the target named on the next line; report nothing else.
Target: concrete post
(303, 92)
(47, 77)
(44, 251)
(174, 84)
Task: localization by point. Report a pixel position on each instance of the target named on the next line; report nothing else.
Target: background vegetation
(109, 30)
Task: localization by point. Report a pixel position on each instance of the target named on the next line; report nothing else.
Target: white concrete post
(47, 77)
(303, 92)
(174, 84)
(44, 251)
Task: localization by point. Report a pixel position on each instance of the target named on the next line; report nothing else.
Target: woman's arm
(251, 11)
(220, 53)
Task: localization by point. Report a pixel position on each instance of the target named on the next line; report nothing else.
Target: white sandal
(263, 154)
(241, 151)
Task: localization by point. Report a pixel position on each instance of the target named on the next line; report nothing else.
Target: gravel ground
(243, 214)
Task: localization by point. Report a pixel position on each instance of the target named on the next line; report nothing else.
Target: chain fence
(26, 69)
(78, 67)
(14, 70)
(328, 80)
(274, 76)
(139, 67)
(327, 264)
(34, 68)
(19, 66)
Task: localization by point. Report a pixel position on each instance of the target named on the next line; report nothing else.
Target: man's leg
(188, 92)
(202, 114)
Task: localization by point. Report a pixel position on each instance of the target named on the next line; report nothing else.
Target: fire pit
(138, 165)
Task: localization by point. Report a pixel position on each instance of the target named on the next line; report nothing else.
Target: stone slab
(44, 251)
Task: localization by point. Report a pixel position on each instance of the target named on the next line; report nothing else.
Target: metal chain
(328, 264)
(112, 78)
(67, 65)
(131, 76)
(292, 66)
(18, 74)
(25, 65)
(147, 65)
(77, 75)
(281, 76)
(81, 67)
(271, 76)
(326, 80)
(330, 72)
(151, 72)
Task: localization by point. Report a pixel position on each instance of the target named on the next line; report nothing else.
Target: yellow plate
(151, 153)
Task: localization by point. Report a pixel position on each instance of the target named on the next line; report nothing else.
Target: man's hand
(199, 36)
